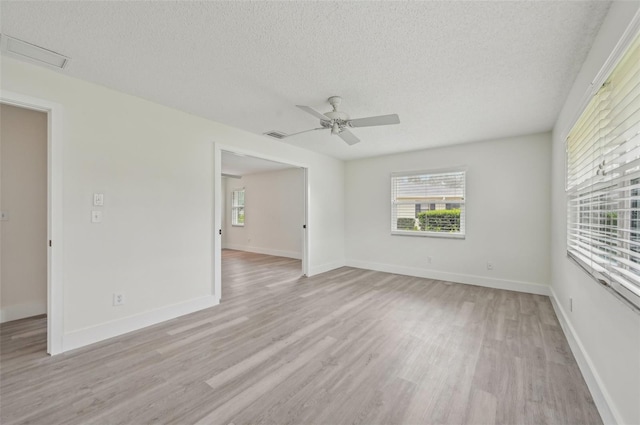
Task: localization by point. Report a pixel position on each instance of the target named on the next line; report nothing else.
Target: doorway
(23, 206)
(261, 207)
(48, 233)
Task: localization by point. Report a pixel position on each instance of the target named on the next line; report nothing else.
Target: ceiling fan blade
(306, 131)
(371, 121)
(348, 137)
(310, 110)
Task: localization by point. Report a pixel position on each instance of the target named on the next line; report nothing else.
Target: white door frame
(217, 207)
(55, 289)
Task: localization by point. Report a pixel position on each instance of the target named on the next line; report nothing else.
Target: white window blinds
(237, 207)
(428, 203)
(603, 181)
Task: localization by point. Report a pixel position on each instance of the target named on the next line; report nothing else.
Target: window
(428, 204)
(603, 182)
(237, 207)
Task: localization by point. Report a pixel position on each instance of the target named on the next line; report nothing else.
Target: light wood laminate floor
(346, 347)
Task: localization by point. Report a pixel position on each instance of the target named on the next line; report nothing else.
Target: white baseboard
(600, 396)
(267, 251)
(314, 270)
(511, 285)
(108, 330)
(21, 311)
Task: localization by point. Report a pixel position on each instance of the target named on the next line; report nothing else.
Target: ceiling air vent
(276, 134)
(31, 52)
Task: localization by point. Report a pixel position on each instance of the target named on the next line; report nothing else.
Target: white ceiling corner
(454, 71)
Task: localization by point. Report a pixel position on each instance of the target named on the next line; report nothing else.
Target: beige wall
(274, 213)
(155, 167)
(513, 237)
(604, 333)
(23, 194)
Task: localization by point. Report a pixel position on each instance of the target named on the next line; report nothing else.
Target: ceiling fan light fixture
(335, 129)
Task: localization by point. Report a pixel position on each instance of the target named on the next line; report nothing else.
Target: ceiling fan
(339, 122)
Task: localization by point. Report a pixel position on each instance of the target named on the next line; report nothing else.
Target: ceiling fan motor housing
(339, 122)
(337, 116)
(338, 119)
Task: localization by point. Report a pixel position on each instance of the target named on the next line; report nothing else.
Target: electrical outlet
(489, 266)
(118, 299)
(96, 216)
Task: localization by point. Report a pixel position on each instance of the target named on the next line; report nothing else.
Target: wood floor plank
(251, 394)
(349, 346)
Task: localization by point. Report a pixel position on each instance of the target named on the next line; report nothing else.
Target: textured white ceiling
(454, 71)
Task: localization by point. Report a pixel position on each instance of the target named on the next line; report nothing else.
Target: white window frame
(236, 207)
(602, 186)
(421, 233)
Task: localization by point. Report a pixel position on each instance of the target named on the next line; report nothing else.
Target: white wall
(605, 333)
(507, 215)
(274, 213)
(155, 166)
(23, 281)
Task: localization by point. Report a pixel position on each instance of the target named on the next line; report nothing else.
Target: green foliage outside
(612, 219)
(440, 220)
(406, 223)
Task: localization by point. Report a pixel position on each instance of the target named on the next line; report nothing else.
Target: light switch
(96, 216)
(98, 199)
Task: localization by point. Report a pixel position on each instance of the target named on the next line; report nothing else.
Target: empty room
(331, 212)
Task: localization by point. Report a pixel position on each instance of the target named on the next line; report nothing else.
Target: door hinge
(220, 231)
(304, 226)
(49, 242)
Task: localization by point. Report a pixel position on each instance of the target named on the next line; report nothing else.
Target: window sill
(237, 225)
(428, 234)
(618, 291)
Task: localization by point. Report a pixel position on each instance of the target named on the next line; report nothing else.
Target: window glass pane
(603, 181)
(427, 203)
(237, 207)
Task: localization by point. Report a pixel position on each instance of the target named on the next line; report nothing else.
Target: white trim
(616, 54)
(601, 397)
(323, 268)
(423, 234)
(218, 148)
(21, 311)
(632, 30)
(267, 251)
(510, 285)
(234, 207)
(394, 203)
(55, 165)
(93, 334)
(218, 196)
(305, 225)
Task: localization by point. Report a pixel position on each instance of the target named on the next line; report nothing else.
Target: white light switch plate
(96, 216)
(98, 199)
